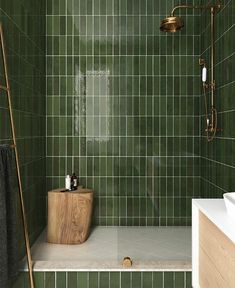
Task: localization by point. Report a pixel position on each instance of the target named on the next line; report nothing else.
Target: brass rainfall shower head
(172, 24)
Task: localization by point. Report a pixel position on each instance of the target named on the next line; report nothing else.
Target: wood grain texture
(216, 256)
(69, 216)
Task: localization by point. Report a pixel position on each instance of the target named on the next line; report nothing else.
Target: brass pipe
(203, 7)
(212, 70)
(25, 227)
(212, 56)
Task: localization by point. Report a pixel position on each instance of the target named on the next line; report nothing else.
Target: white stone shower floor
(150, 248)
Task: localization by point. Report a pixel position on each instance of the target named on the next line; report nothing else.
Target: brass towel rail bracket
(6, 88)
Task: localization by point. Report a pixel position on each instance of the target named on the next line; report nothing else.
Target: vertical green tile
(115, 279)
(168, 279)
(125, 279)
(82, 279)
(39, 279)
(104, 279)
(179, 279)
(60, 279)
(188, 279)
(72, 279)
(49, 279)
(136, 280)
(147, 279)
(158, 279)
(93, 279)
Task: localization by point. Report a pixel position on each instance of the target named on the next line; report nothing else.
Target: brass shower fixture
(173, 24)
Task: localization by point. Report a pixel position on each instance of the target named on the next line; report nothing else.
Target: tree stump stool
(69, 216)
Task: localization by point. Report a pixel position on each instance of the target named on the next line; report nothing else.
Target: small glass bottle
(74, 182)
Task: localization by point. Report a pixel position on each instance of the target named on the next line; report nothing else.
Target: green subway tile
(158, 279)
(168, 279)
(125, 279)
(104, 279)
(136, 279)
(188, 279)
(60, 279)
(49, 279)
(147, 279)
(39, 279)
(93, 279)
(72, 279)
(179, 279)
(82, 279)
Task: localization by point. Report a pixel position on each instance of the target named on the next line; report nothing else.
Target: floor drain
(127, 262)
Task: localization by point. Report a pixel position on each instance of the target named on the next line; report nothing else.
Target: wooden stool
(69, 216)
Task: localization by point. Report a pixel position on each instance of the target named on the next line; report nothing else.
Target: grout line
(217, 162)
(116, 15)
(213, 184)
(217, 40)
(126, 55)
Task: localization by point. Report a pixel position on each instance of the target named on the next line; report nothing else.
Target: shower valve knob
(212, 85)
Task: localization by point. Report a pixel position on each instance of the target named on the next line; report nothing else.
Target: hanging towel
(8, 217)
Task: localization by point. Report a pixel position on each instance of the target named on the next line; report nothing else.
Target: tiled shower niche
(123, 108)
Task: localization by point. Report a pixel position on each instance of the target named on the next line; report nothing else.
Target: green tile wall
(123, 108)
(24, 27)
(108, 279)
(218, 157)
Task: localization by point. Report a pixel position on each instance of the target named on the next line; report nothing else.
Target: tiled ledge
(150, 248)
(140, 266)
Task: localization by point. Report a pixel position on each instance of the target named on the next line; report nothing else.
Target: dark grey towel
(8, 217)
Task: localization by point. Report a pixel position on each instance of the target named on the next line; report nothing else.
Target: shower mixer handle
(211, 86)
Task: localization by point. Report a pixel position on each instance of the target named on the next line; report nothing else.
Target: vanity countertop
(216, 211)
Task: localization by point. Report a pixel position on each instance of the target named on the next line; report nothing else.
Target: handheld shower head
(172, 24)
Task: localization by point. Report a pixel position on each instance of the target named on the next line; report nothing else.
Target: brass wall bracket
(202, 62)
(4, 88)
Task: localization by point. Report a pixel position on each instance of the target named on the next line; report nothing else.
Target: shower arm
(202, 7)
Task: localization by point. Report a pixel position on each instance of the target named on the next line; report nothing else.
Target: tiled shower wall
(24, 27)
(218, 157)
(123, 108)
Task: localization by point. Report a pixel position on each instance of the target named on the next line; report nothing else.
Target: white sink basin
(229, 199)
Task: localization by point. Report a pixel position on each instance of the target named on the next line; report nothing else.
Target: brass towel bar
(14, 146)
